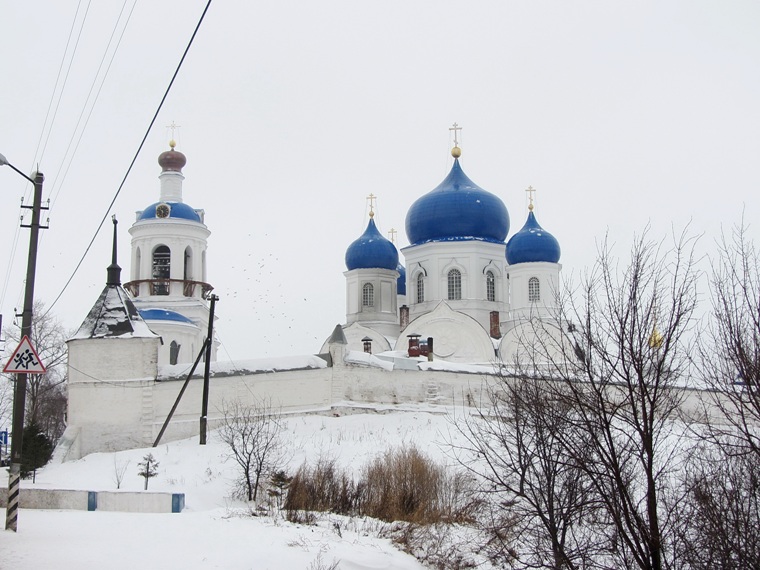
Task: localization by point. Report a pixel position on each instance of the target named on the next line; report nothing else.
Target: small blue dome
(177, 210)
(457, 210)
(532, 243)
(164, 315)
(401, 283)
(371, 250)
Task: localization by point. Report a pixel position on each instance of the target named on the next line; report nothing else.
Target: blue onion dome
(457, 210)
(163, 315)
(532, 243)
(171, 210)
(371, 250)
(401, 282)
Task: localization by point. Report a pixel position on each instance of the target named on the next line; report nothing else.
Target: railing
(163, 287)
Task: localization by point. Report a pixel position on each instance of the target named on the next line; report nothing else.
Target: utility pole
(19, 390)
(207, 371)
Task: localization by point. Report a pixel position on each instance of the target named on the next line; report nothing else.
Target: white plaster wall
(519, 275)
(472, 259)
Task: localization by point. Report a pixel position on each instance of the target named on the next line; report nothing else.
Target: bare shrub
(402, 484)
(406, 485)
(119, 469)
(323, 487)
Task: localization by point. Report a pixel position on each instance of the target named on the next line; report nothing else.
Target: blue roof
(456, 210)
(371, 250)
(532, 243)
(164, 315)
(178, 210)
(401, 282)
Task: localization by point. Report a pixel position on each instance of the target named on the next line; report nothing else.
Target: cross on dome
(392, 234)
(371, 199)
(456, 152)
(173, 126)
(530, 190)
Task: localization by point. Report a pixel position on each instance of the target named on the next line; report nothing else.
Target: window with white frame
(534, 289)
(368, 295)
(455, 285)
(420, 288)
(490, 286)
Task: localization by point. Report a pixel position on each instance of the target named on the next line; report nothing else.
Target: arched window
(490, 286)
(420, 288)
(455, 285)
(534, 289)
(138, 264)
(173, 352)
(188, 264)
(161, 270)
(368, 295)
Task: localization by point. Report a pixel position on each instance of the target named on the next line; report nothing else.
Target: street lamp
(19, 390)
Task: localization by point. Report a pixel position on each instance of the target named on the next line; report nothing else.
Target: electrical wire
(134, 159)
(17, 232)
(55, 185)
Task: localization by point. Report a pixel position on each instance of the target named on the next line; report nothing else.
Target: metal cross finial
(455, 128)
(392, 233)
(371, 199)
(173, 127)
(530, 190)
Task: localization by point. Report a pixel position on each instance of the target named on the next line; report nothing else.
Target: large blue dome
(177, 210)
(457, 210)
(371, 250)
(532, 243)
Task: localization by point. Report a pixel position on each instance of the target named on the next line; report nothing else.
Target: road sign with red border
(25, 359)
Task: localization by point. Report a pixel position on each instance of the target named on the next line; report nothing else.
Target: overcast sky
(291, 113)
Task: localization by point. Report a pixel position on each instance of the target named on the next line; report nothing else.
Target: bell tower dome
(168, 278)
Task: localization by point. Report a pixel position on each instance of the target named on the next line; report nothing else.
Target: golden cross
(371, 199)
(455, 128)
(392, 233)
(530, 190)
(173, 126)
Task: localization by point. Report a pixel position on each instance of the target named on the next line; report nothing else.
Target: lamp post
(19, 390)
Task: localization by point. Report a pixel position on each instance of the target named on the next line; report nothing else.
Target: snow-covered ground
(215, 531)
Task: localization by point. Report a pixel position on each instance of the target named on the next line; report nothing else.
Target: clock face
(162, 211)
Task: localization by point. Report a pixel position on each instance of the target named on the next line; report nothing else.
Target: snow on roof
(113, 316)
(359, 357)
(242, 367)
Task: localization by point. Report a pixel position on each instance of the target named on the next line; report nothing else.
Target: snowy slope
(215, 531)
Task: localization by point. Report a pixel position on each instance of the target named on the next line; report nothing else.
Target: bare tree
(545, 496)
(119, 469)
(730, 362)
(46, 393)
(252, 434)
(722, 480)
(619, 374)
(720, 511)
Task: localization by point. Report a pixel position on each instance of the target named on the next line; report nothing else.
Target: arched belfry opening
(161, 270)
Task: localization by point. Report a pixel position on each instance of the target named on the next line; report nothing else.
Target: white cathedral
(462, 300)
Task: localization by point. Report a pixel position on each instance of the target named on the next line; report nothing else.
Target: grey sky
(620, 114)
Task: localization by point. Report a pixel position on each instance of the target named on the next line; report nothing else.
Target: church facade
(460, 282)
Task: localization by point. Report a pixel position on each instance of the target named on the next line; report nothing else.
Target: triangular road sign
(25, 359)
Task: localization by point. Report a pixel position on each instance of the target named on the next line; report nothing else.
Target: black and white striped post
(19, 390)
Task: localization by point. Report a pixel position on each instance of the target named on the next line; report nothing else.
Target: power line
(134, 159)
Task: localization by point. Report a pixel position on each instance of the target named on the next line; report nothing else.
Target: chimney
(495, 329)
(403, 316)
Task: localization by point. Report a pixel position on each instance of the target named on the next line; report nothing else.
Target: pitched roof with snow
(114, 315)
